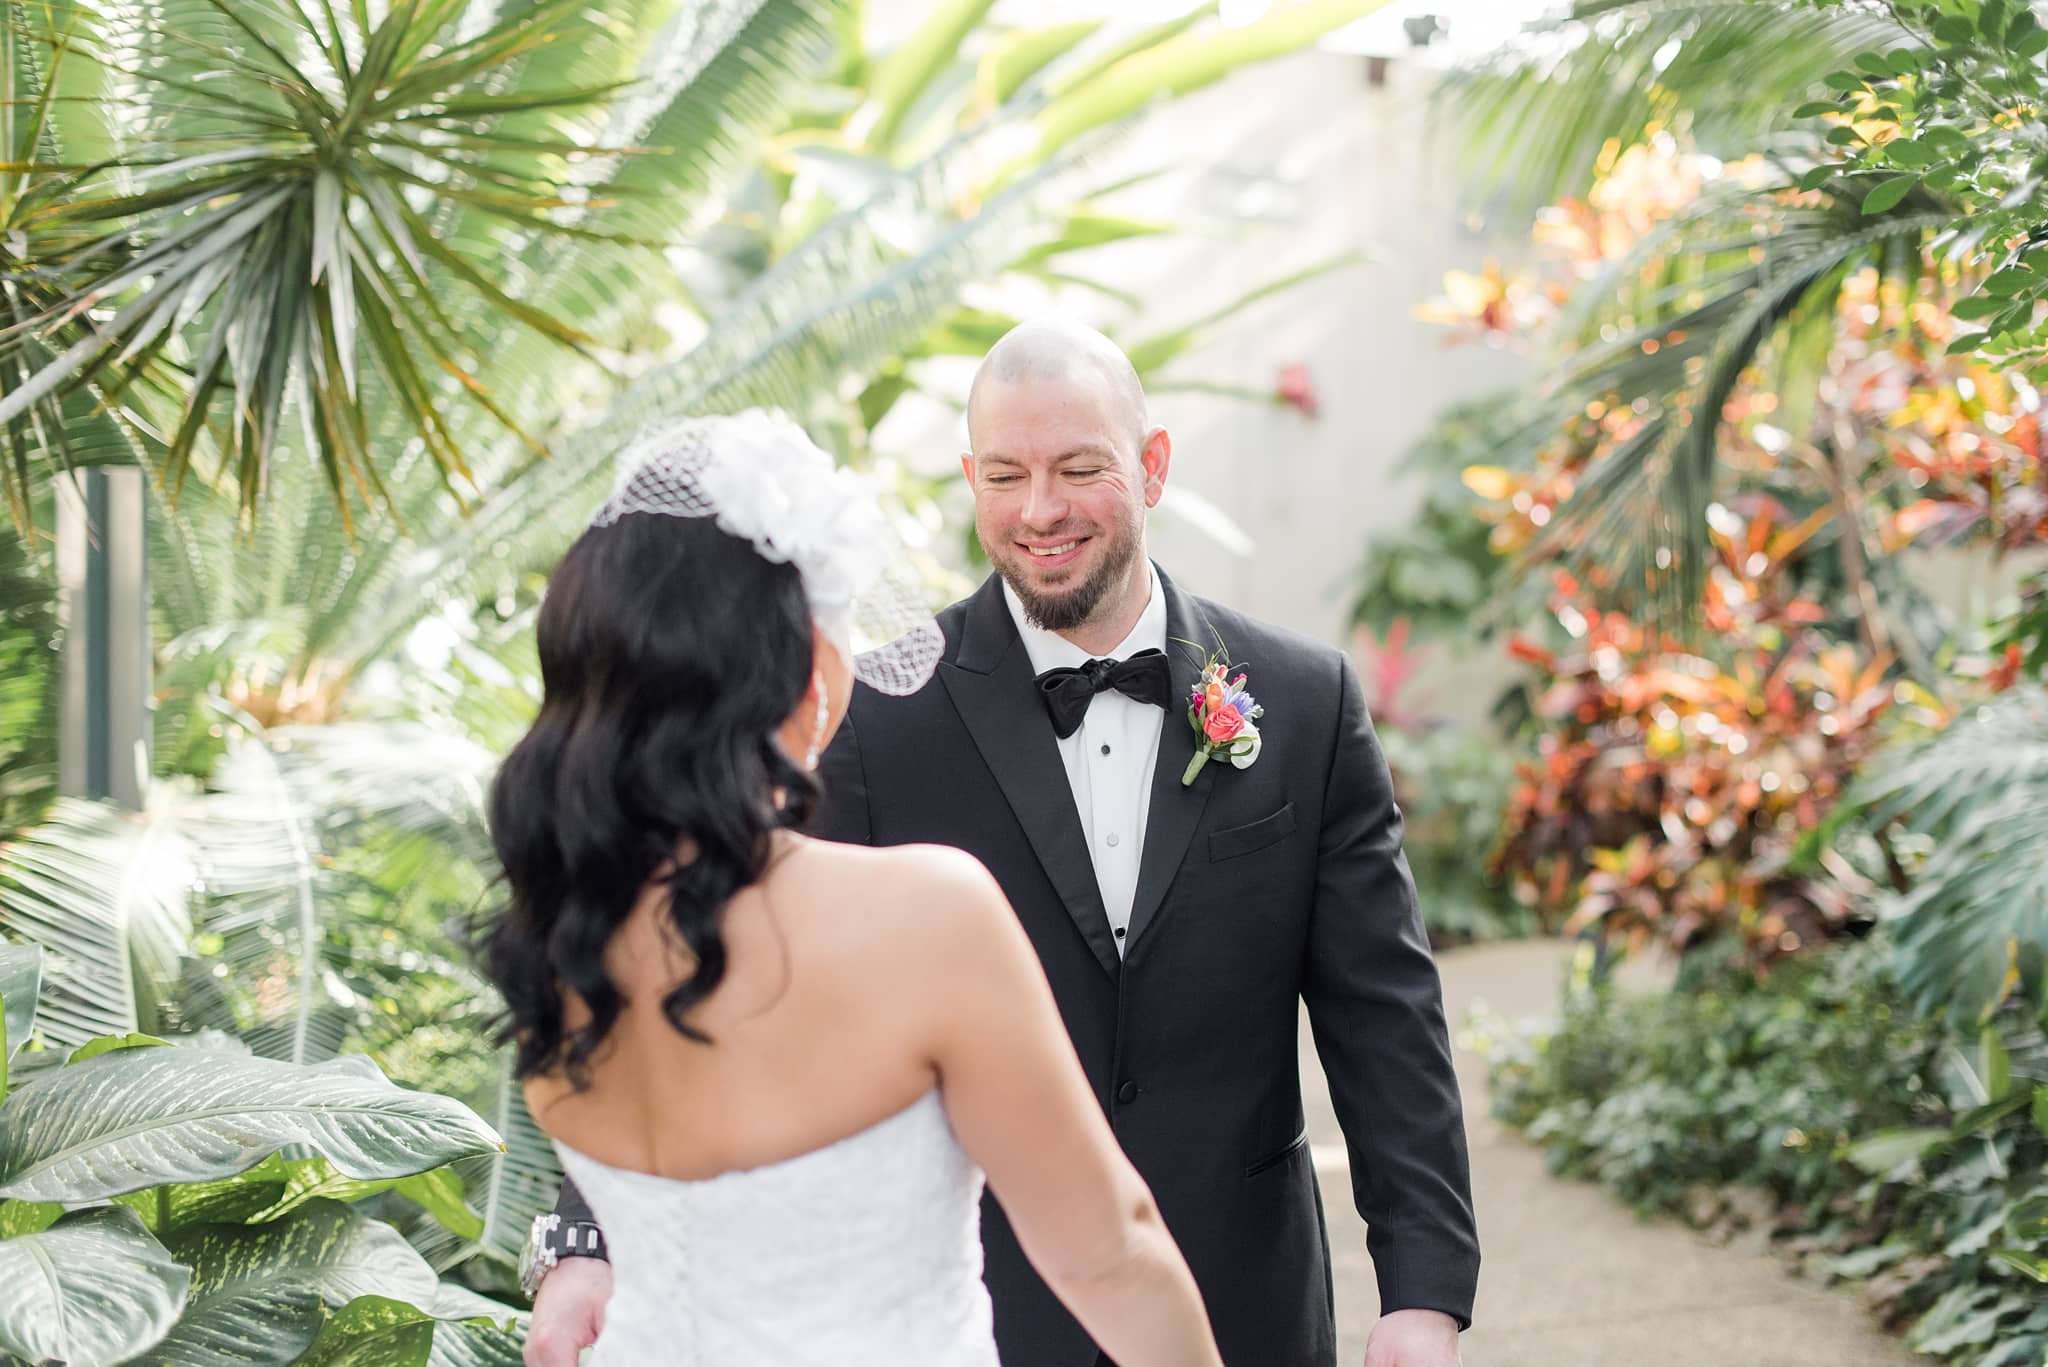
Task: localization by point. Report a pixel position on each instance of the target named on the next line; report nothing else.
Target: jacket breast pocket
(1255, 836)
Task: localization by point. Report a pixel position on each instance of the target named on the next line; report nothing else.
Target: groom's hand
(1408, 1338)
(568, 1314)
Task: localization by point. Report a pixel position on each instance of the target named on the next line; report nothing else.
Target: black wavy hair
(670, 654)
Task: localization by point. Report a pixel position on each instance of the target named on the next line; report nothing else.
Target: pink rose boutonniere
(1225, 718)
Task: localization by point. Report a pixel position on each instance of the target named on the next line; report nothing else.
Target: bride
(778, 1069)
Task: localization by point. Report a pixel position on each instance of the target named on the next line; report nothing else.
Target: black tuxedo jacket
(1258, 887)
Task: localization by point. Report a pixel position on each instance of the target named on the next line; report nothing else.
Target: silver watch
(552, 1239)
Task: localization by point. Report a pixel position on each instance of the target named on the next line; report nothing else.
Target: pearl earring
(818, 733)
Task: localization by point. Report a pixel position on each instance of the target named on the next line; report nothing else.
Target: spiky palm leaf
(861, 289)
(1533, 121)
(1673, 328)
(289, 178)
(1974, 926)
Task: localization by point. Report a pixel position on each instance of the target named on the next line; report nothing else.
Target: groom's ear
(967, 466)
(1154, 457)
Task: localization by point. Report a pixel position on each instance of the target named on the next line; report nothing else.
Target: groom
(1179, 923)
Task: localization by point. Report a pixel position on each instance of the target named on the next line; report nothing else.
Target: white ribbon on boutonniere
(1225, 718)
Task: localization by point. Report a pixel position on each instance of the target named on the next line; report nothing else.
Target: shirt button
(1112, 840)
(1105, 749)
(1119, 932)
(1127, 1093)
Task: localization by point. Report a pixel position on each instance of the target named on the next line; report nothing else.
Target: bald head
(1054, 350)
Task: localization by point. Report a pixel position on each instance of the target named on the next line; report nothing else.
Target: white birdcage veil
(763, 478)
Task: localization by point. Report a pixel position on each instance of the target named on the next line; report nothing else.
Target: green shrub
(1892, 1148)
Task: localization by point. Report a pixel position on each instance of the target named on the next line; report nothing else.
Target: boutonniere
(1225, 718)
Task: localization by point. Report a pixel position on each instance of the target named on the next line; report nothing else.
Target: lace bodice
(865, 1253)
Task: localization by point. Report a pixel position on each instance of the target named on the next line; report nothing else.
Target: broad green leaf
(1874, 64)
(1085, 229)
(1848, 82)
(1817, 176)
(2028, 1221)
(440, 1193)
(374, 1331)
(474, 1331)
(92, 1290)
(1994, 1061)
(1814, 109)
(1017, 57)
(1888, 194)
(108, 1044)
(1955, 29)
(143, 1117)
(2041, 1109)
(905, 74)
(234, 1200)
(1977, 307)
(2023, 1262)
(1911, 153)
(21, 981)
(1888, 1150)
(27, 1217)
(2010, 281)
(1185, 62)
(260, 1292)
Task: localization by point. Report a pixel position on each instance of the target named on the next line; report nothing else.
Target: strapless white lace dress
(865, 1253)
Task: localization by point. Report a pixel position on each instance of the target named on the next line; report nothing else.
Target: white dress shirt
(1110, 757)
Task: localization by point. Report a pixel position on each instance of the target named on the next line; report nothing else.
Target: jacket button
(1127, 1093)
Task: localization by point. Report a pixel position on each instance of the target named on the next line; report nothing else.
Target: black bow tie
(1146, 677)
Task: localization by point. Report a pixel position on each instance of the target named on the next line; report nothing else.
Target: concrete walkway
(1571, 1278)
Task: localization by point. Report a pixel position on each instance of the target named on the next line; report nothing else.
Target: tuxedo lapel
(1175, 811)
(991, 685)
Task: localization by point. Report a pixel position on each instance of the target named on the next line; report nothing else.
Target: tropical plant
(1749, 279)
(1972, 929)
(148, 1210)
(1893, 1151)
(1673, 790)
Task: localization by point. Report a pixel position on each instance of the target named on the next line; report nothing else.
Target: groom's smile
(1063, 466)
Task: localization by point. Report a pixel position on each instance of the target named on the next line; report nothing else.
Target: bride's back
(790, 1192)
(817, 1031)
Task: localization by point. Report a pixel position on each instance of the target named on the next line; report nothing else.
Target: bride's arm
(1018, 1100)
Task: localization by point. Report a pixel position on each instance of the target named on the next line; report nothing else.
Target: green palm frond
(1975, 923)
(716, 79)
(1727, 284)
(863, 288)
(107, 894)
(263, 244)
(1533, 121)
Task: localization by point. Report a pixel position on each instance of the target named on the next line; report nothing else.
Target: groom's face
(1062, 478)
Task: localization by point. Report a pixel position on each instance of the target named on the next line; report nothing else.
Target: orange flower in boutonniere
(1225, 719)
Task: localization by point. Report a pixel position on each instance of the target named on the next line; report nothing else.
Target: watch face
(536, 1258)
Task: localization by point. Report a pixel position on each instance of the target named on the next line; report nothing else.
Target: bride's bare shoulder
(910, 886)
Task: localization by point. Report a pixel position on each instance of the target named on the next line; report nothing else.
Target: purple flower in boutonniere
(1225, 718)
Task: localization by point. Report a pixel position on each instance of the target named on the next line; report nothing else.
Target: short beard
(1072, 608)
